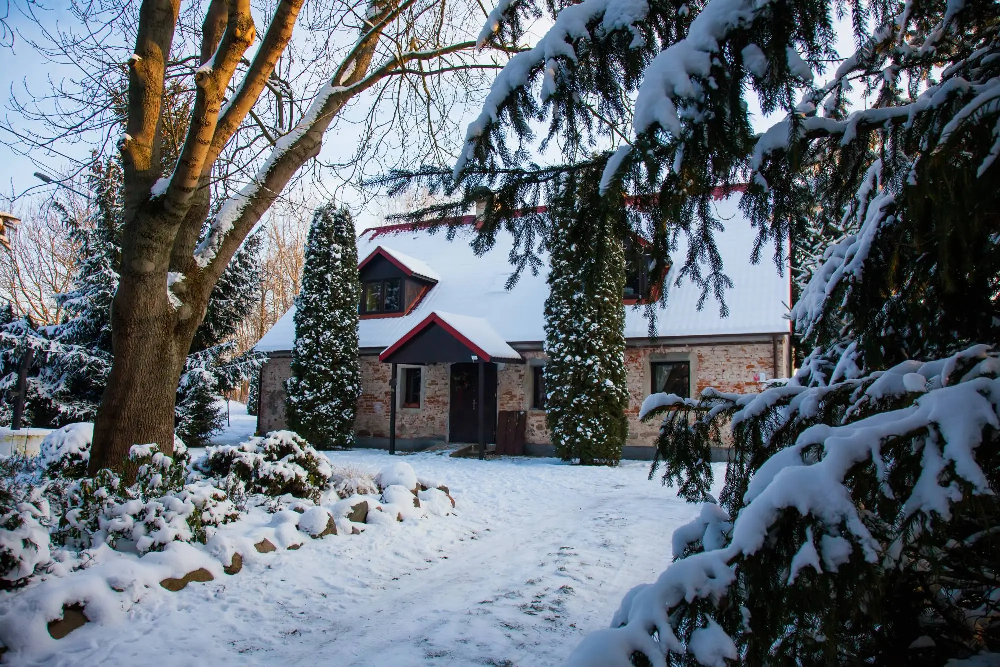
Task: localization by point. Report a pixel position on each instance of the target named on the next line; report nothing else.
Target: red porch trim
(426, 322)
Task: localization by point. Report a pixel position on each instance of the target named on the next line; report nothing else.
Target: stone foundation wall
(727, 366)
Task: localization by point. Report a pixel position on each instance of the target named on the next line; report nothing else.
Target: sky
(21, 67)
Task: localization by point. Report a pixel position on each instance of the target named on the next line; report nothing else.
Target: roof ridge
(718, 192)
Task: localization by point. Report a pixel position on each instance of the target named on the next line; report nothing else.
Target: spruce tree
(585, 330)
(200, 411)
(858, 522)
(325, 384)
(78, 367)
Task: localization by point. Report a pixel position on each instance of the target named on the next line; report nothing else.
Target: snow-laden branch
(273, 174)
(570, 25)
(954, 402)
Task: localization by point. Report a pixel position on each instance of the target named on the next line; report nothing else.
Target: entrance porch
(472, 349)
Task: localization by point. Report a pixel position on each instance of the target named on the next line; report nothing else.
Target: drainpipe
(392, 411)
(482, 415)
(774, 357)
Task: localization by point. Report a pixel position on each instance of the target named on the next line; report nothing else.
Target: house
(441, 316)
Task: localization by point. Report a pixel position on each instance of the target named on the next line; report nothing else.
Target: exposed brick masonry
(726, 366)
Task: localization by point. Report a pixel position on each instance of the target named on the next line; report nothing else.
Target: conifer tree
(322, 392)
(77, 368)
(585, 330)
(200, 414)
(859, 521)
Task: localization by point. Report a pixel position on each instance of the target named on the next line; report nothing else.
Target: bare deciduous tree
(284, 252)
(42, 259)
(256, 119)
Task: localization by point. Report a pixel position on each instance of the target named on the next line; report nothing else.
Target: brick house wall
(729, 366)
(429, 421)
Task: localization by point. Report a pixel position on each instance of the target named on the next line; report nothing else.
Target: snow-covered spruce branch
(570, 25)
(858, 491)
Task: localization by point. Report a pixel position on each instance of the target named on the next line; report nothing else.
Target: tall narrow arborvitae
(322, 393)
(585, 330)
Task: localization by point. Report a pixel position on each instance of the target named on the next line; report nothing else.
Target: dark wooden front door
(464, 412)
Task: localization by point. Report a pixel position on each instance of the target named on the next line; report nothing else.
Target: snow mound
(397, 474)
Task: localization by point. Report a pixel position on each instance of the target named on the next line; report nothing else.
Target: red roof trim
(382, 252)
(426, 322)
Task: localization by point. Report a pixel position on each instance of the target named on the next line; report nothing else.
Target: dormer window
(381, 296)
(392, 284)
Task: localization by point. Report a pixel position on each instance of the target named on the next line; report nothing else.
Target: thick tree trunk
(151, 343)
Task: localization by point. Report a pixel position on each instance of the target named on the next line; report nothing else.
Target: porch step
(472, 451)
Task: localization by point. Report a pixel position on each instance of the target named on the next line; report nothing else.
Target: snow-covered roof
(411, 265)
(475, 332)
(474, 287)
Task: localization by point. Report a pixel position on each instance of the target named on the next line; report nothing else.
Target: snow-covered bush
(24, 521)
(865, 522)
(65, 452)
(353, 480)
(159, 508)
(397, 474)
(277, 464)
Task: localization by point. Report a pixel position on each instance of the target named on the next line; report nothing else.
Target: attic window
(637, 280)
(382, 296)
(643, 281)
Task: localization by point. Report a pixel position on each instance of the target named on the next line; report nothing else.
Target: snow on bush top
(66, 451)
(280, 463)
(400, 473)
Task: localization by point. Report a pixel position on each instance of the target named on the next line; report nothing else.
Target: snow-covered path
(538, 554)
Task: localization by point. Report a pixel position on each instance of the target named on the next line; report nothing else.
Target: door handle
(473, 404)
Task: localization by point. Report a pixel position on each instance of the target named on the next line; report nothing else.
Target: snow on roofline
(475, 332)
(475, 286)
(410, 265)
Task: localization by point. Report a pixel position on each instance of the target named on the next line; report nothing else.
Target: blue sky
(21, 66)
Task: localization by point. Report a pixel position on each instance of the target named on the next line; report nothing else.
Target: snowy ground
(539, 554)
(241, 426)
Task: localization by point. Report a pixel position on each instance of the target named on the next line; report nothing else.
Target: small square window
(538, 387)
(672, 377)
(411, 387)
